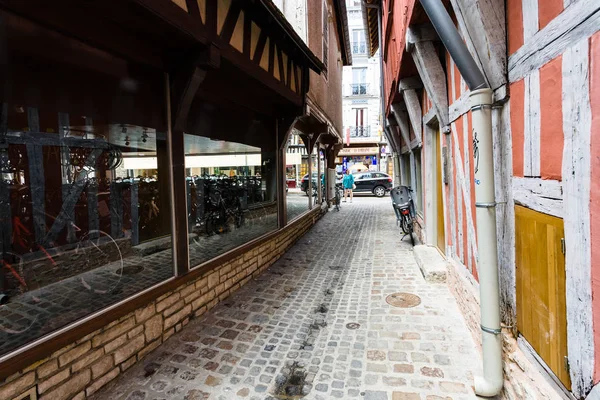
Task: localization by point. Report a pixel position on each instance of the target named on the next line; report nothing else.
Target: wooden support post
(482, 23)
(35, 159)
(72, 197)
(67, 178)
(116, 210)
(413, 106)
(92, 204)
(135, 220)
(191, 199)
(402, 118)
(431, 72)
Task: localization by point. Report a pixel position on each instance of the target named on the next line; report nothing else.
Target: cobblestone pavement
(316, 325)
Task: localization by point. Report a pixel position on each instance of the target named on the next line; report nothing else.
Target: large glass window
(84, 190)
(297, 163)
(231, 189)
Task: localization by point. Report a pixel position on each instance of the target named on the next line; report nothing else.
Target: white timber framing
(467, 165)
(531, 23)
(430, 69)
(459, 107)
(578, 21)
(576, 170)
(449, 205)
(430, 117)
(483, 28)
(505, 211)
(532, 131)
(542, 195)
(461, 185)
(415, 114)
(401, 116)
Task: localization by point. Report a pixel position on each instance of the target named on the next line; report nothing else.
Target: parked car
(304, 182)
(377, 183)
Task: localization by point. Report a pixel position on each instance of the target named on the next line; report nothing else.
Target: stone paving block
(317, 322)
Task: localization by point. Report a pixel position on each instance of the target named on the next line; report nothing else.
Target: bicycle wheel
(100, 255)
(404, 224)
(412, 237)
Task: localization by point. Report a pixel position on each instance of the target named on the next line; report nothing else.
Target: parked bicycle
(404, 208)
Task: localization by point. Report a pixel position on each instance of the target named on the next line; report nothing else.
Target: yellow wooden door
(541, 301)
(439, 184)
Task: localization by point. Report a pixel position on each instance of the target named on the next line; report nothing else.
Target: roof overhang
(370, 11)
(343, 31)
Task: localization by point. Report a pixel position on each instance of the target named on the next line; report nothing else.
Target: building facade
(542, 65)
(143, 171)
(363, 136)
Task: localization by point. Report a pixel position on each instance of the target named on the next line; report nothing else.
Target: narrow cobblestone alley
(316, 325)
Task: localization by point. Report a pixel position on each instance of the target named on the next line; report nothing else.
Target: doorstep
(431, 263)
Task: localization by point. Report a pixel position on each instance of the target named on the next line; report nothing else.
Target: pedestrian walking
(348, 183)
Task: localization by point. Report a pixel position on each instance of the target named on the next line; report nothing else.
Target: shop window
(297, 160)
(231, 191)
(85, 219)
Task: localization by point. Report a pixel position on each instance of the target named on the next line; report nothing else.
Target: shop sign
(358, 150)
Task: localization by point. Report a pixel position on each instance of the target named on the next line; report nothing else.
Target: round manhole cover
(403, 300)
(130, 270)
(352, 325)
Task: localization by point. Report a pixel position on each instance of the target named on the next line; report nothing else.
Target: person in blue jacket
(348, 183)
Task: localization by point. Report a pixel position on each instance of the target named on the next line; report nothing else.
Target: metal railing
(359, 131)
(357, 89)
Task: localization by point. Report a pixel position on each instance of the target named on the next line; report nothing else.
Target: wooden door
(541, 301)
(439, 187)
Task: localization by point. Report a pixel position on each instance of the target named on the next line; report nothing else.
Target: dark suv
(304, 182)
(377, 183)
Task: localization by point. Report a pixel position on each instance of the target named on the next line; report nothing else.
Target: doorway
(541, 281)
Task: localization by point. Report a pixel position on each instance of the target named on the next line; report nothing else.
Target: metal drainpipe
(481, 103)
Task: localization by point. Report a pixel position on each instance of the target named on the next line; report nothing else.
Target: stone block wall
(80, 369)
(522, 379)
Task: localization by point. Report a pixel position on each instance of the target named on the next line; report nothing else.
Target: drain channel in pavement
(403, 300)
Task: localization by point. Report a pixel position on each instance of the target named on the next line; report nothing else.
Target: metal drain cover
(352, 325)
(403, 300)
(130, 270)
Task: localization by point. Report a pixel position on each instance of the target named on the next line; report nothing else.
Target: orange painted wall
(517, 124)
(514, 16)
(548, 10)
(595, 191)
(551, 136)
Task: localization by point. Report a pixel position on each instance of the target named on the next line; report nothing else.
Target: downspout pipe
(481, 109)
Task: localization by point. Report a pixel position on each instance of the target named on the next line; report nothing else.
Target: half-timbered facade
(142, 154)
(545, 157)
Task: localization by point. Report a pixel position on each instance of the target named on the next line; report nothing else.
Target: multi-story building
(493, 110)
(362, 101)
(132, 135)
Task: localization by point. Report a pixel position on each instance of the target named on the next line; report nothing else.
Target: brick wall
(78, 370)
(522, 379)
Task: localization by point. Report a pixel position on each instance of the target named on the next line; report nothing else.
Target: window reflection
(297, 199)
(82, 226)
(231, 195)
